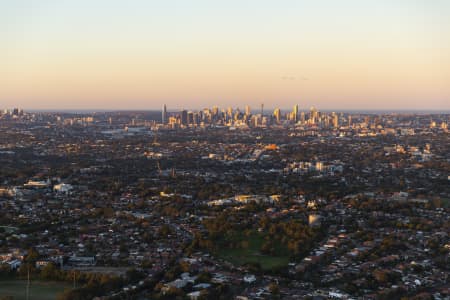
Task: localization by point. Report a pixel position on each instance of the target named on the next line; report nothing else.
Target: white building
(62, 188)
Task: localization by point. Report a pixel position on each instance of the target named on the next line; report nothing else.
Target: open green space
(250, 253)
(445, 202)
(9, 229)
(39, 290)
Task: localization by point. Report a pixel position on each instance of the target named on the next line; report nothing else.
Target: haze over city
(194, 54)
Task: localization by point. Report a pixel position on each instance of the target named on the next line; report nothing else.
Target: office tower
(184, 117)
(327, 120)
(276, 114)
(197, 117)
(335, 120)
(206, 116)
(262, 109)
(313, 115)
(190, 117)
(247, 110)
(295, 113)
(215, 110)
(254, 120)
(164, 115)
(237, 114)
(302, 117)
(349, 121)
(229, 113)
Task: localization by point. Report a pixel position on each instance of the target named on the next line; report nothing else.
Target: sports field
(252, 254)
(39, 290)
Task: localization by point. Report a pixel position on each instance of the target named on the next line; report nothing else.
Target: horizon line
(104, 110)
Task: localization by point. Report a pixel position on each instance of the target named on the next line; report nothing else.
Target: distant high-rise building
(190, 117)
(184, 117)
(237, 115)
(295, 113)
(164, 115)
(262, 109)
(255, 120)
(335, 120)
(313, 115)
(197, 118)
(247, 110)
(215, 110)
(206, 115)
(229, 113)
(277, 114)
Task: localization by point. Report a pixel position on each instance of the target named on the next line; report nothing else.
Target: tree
(274, 288)
(203, 277)
(134, 275)
(32, 256)
(381, 276)
(173, 293)
(49, 271)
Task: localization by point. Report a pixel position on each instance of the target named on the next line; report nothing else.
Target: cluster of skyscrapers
(12, 112)
(236, 117)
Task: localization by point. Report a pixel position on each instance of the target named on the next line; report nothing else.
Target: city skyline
(108, 55)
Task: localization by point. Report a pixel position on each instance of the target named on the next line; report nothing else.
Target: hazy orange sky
(348, 54)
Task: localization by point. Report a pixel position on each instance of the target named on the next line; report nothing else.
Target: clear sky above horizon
(140, 54)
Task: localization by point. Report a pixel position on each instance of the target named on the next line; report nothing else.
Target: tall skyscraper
(215, 111)
(277, 114)
(335, 120)
(313, 115)
(229, 113)
(295, 113)
(190, 117)
(237, 114)
(164, 115)
(247, 110)
(184, 117)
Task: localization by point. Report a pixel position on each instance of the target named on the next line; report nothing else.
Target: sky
(141, 54)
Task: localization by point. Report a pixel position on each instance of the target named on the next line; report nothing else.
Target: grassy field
(9, 229)
(445, 202)
(39, 290)
(252, 254)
